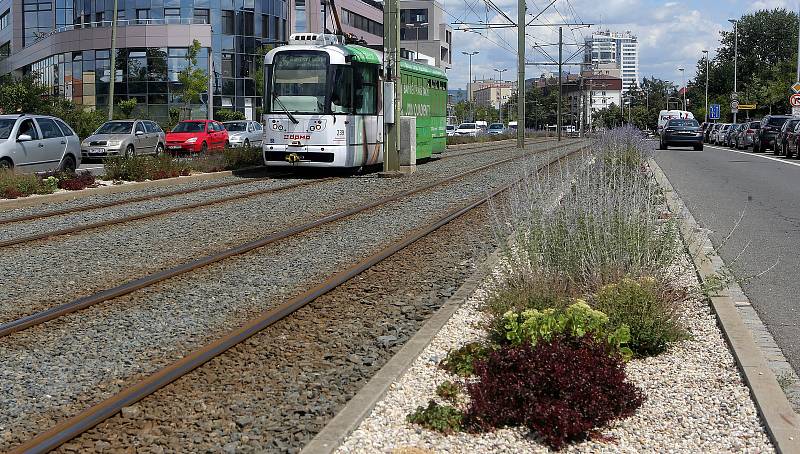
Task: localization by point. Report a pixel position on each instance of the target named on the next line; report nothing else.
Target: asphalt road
(722, 186)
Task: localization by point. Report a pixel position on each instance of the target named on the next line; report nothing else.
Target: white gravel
(696, 400)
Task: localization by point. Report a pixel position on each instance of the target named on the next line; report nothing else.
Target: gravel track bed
(76, 265)
(293, 377)
(57, 369)
(696, 400)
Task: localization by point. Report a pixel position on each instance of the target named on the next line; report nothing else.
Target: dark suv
(764, 136)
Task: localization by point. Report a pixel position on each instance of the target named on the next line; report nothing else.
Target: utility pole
(113, 79)
(500, 104)
(735, 57)
(469, 85)
(521, 74)
(705, 52)
(391, 53)
(560, 81)
(683, 85)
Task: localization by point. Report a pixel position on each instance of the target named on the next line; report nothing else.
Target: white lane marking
(757, 155)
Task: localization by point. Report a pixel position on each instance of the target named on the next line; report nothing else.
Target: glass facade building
(241, 31)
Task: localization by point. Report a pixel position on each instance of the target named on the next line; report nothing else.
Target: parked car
(708, 136)
(496, 129)
(744, 139)
(38, 143)
(197, 136)
(764, 136)
(451, 130)
(244, 133)
(727, 141)
(719, 134)
(124, 137)
(681, 132)
(793, 142)
(468, 130)
(783, 137)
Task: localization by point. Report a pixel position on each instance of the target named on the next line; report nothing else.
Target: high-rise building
(605, 48)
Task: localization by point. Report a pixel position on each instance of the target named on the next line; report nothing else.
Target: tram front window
(304, 82)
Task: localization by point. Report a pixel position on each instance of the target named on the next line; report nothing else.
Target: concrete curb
(361, 405)
(82, 194)
(781, 422)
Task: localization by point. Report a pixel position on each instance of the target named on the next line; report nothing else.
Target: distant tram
(324, 104)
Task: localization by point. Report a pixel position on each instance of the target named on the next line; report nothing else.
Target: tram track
(80, 228)
(95, 414)
(43, 316)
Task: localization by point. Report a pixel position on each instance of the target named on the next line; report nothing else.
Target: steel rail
(46, 315)
(135, 217)
(85, 420)
(100, 205)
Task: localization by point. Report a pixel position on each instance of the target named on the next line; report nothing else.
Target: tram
(323, 104)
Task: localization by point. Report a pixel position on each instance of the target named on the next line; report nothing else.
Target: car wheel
(68, 164)
(787, 151)
(204, 148)
(130, 151)
(6, 164)
(661, 145)
(247, 143)
(756, 149)
(159, 149)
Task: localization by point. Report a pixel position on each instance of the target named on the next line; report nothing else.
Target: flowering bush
(559, 389)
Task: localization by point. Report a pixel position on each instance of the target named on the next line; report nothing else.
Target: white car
(244, 133)
(451, 130)
(37, 143)
(468, 129)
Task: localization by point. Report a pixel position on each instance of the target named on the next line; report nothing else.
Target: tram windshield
(304, 82)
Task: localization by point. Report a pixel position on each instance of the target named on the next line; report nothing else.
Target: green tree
(193, 81)
(23, 94)
(228, 115)
(126, 108)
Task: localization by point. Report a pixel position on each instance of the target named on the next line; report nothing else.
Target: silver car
(124, 137)
(244, 133)
(37, 143)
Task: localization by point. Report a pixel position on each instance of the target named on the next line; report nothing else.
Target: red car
(197, 136)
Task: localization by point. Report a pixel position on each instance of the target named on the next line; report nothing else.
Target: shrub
(126, 108)
(228, 115)
(460, 361)
(441, 418)
(576, 321)
(647, 309)
(237, 158)
(75, 181)
(448, 391)
(559, 389)
(14, 185)
(140, 168)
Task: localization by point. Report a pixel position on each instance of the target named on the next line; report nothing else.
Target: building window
(227, 65)
(99, 17)
(249, 26)
(201, 16)
(227, 22)
(142, 16)
(37, 20)
(4, 20)
(362, 23)
(5, 50)
(172, 15)
(265, 26)
(300, 16)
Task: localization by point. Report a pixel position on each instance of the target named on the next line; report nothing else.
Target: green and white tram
(324, 104)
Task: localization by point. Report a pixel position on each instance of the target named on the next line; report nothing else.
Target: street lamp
(416, 28)
(705, 53)
(469, 82)
(683, 85)
(500, 103)
(735, 56)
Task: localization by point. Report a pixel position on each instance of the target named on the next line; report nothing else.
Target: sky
(671, 34)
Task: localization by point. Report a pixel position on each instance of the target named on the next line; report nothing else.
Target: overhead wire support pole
(113, 70)
(560, 81)
(391, 55)
(521, 74)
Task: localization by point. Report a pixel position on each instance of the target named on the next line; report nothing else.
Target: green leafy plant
(577, 320)
(126, 107)
(193, 81)
(647, 308)
(461, 361)
(140, 168)
(441, 418)
(448, 391)
(14, 185)
(228, 115)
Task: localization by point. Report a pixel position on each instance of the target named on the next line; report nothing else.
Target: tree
(193, 81)
(23, 94)
(126, 107)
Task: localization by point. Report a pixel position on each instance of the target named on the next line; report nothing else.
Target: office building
(605, 49)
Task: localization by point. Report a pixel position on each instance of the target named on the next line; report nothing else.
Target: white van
(666, 115)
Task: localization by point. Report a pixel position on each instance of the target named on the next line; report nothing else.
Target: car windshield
(6, 125)
(236, 126)
(189, 126)
(777, 121)
(450, 127)
(467, 126)
(684, 122)
(496, 126)
(115, 127)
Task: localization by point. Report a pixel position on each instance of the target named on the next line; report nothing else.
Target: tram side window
(341, 99)
(365, 81)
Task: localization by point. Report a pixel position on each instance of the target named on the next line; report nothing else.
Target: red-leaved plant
(560, 389)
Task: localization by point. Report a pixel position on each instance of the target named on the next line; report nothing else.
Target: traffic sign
(734, 106)
(794, 100)
(747, 106)
(796, 87)
(734, 96)
(713, 112)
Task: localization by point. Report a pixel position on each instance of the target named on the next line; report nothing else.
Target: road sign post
(734, 106)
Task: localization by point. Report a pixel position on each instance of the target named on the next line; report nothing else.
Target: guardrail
(123, 23)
